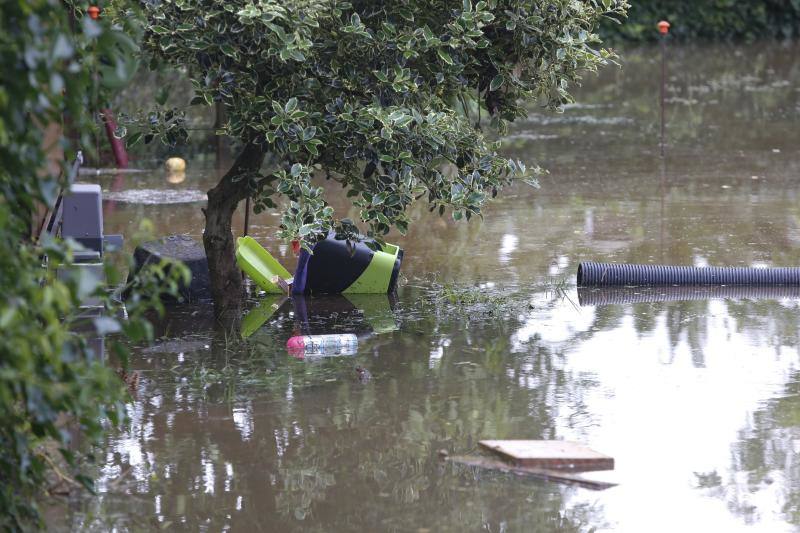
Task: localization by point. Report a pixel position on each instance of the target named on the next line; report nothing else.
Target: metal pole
(246, 215)
(662, 191)
(663, 86)
(663, 29)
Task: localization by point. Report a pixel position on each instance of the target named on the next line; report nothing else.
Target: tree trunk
(226, 278)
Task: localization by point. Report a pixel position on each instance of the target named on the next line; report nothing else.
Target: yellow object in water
(175, 164)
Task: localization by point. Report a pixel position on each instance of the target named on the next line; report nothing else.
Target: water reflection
(675, 382)
(359, 314)
(240, 440)
(627, 295)
(175, 177)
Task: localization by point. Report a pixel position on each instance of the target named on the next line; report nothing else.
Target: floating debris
(157, 196)
(89, 171)
(546, 120)
(530, 136)
(301, 346)
(363, 375)
(550, 454)
(175, 164)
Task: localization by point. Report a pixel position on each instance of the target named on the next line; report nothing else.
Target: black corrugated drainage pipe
(591, 274)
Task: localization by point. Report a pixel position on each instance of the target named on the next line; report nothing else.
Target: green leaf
(444, 56)
(404, 121)
(228, 50)
(134, 139)
(162, 95)
(496, 83)
(291, 105)
(406, 14)
(309, 133)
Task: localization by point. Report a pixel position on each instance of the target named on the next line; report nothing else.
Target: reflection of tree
(767, 322)
(399, 431)
(690, 318)
(303, 452)
(302, 445)
(767, 454)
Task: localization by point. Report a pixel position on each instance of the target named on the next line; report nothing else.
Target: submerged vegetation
(488, 299)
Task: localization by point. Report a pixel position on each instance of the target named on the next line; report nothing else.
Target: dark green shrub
(50, 386)
(709, 19)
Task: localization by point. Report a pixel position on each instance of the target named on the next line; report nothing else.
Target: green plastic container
(257, 263)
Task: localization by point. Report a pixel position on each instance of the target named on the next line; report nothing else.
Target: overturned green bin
(334, 267)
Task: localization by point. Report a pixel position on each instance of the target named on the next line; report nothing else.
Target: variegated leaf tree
(397, 100)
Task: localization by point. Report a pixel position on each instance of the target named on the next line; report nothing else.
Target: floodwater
(696, 395)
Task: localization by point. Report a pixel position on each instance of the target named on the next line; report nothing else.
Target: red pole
(120, 155)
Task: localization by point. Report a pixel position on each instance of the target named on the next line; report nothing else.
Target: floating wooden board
(550, 454)
(557, 476)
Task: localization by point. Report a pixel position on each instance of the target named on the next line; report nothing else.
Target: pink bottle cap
(296, 347)
(295, 344)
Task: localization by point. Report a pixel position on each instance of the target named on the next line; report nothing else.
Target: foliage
(714, 19)
(385, 98)
(51, 384)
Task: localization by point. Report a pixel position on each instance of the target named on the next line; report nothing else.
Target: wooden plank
(550, 454)
(556, 476)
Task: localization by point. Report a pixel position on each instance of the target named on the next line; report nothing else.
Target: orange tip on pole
(663, 27)
(94, 12)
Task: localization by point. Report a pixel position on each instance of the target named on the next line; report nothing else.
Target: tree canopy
(395, 100)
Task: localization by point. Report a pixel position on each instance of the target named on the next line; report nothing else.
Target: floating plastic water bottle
(323, 345)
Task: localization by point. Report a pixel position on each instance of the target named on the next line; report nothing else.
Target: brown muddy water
(697, 396)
